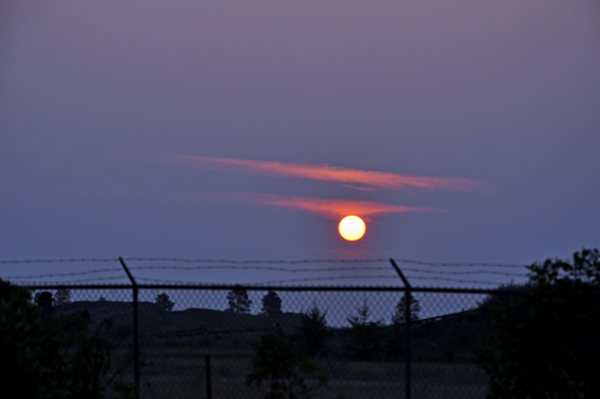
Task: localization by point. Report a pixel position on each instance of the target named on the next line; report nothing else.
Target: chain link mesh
(354, 342)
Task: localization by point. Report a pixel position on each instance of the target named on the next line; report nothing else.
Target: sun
(352, 228)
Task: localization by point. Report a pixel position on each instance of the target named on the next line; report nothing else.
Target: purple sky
(99, 99)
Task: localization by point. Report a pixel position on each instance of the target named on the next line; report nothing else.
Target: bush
(282, 366)
(41, 358)
(544, 343)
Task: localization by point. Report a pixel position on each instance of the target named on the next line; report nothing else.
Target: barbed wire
(321, 270)
(250, 262)
(70, 260)
(330, 278)
(266, 268)
(272, 282)
(295, 262)
(97, 271)
(81, 281)
(372, 277)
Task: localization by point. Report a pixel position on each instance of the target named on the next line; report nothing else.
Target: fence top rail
(290, 288)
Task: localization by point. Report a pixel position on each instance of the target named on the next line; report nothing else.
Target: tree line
(541, 342)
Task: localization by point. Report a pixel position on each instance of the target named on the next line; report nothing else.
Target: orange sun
(352, 228)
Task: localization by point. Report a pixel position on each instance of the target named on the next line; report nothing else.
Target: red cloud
(330, 208)
(354, 178)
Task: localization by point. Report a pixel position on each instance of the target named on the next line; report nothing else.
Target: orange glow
(330, 208)
(353, 178)
(352, 228)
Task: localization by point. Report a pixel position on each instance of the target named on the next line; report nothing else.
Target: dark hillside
(107, 315)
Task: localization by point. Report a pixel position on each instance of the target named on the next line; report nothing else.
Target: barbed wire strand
(331, 269)
(287, 281)
(97, 271)
(72, 260)
(295, 262)
(249, 262)
(372, 277)
(124, 278)
(266, 268)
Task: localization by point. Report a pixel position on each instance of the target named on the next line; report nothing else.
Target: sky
(463, 131)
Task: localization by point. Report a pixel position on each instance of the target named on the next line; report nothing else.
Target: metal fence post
(136, 351)
(208, 378)
(407, 295)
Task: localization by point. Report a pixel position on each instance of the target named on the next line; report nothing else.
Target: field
(179, 373)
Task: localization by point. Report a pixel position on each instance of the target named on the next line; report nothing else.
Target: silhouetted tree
(399, 316)
(313, 331)
(271, 304)
(544, 343)
(366, 336)
(57, 358)
(278, 363)
(238, 300)
(45, 302)
(163, 302)
(62, 295)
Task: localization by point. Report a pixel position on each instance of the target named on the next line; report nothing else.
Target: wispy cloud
(329, 208)
(353, 178)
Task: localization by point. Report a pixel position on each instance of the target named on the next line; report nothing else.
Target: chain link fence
(332, 342)
(274, 340)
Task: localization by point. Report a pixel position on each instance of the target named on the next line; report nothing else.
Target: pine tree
(238, 300)
(163, 302)
(63, 295)
(399, 316)
(45, 301)
(366, 339)
(313, 331)
(271, 304)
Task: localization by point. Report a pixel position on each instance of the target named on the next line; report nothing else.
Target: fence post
(136, 348)
(208, 382)
(407, 323)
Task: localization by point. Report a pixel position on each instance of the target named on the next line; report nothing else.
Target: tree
(63, 295)
(279, 363)
(163, 302)
(271, 304)
(238, 300)
(399, 316)
(366, 336)
(395, 340)
(45, 302)
(544, 342)
(313, 331)
(57, 358)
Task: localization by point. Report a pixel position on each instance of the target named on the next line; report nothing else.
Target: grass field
(179, 373)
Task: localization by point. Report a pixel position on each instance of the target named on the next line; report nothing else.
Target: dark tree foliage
(366, 339)
(313, 332)
(57, 358)
(271, 304)
(45, 302)
(62, 295)
(238, 300)
(395, 336)
(399, 316)
(164, 302)
(278, 363)
(544, 343)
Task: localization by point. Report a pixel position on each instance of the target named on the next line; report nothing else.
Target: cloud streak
(353, 178)
(329, 208)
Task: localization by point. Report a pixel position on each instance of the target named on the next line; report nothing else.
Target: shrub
(41, 358)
